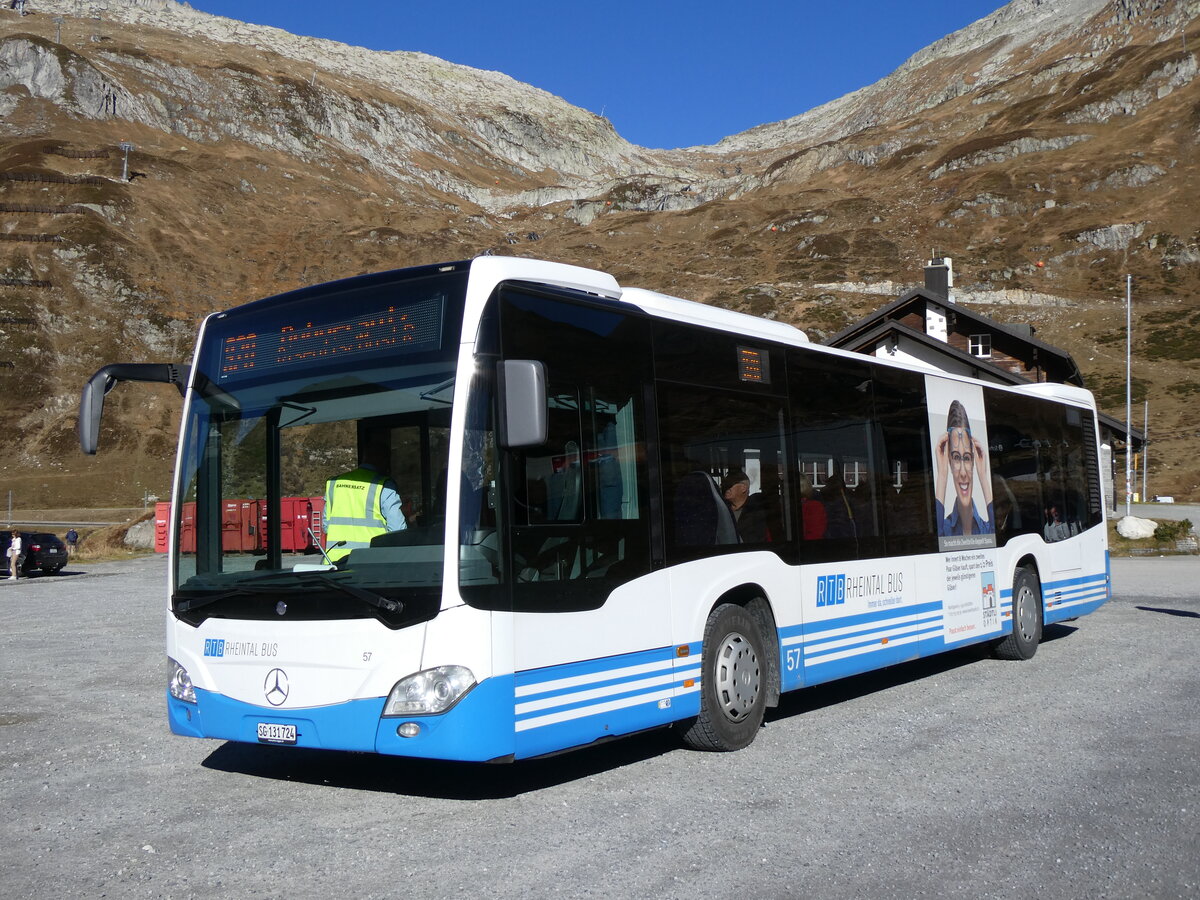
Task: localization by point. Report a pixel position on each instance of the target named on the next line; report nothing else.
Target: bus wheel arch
(1028, 614)
(754, 600)
(739, 672)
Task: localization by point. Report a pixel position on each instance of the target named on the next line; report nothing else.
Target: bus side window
(836, 437)
(1044, 467)
(580, 520)
(907, 492)
(708, 437)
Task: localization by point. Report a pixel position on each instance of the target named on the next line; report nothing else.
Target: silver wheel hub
(1026, 613)
(736, 676)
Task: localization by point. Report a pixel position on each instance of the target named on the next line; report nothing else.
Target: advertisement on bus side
(964, 513)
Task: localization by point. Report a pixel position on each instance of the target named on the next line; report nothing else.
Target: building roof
(869, 330)
(856, 333)
(981, 367)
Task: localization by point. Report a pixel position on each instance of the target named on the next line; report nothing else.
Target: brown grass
(103, 544)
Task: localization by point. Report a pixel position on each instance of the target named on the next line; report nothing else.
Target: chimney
(939, 277)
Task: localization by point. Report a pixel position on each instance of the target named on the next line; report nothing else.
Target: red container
(162, 526)
(244, 525)
(187, 529)
(239, 521)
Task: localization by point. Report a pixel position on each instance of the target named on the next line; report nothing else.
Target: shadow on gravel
(480, 781)
(1057, 632)
(433, 778)
(834, 692)
(1184, 613)
(45, 576)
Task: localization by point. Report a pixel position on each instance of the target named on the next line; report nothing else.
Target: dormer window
(981, 346)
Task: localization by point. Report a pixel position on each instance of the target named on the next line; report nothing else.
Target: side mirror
(524, 413)
(91, 400)
(91, 410)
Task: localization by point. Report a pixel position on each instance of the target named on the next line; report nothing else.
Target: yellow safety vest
(353, 512)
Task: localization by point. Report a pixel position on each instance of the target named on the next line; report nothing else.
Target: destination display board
(309, 339)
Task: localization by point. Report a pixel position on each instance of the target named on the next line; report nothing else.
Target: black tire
(1026, 618)
(733, 689)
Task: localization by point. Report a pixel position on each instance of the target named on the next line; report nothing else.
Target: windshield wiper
(196, 602)
(369, 597)
(431, 392)
(312, 579)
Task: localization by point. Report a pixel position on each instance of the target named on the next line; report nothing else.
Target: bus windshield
(355, 381)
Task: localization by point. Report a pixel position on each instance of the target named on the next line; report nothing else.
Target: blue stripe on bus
(577, 703)
(861, 619)
(1099, 578)
(812, 652)
(1067, 582)
(534, 684)
(529, 677)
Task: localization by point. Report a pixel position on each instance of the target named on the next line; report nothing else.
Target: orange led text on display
(412, 328)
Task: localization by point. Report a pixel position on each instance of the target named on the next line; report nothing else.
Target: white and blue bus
(624, 511)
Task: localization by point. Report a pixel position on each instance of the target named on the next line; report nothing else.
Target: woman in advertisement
(960, 457)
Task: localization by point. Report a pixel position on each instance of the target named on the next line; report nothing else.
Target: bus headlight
(179, 682)
(429, 692)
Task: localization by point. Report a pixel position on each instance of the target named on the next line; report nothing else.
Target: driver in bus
(958, 451)
(362, 503)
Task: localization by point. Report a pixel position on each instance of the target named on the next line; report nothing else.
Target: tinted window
(905, 489)
(723, 471)
(578, 504)
(835, 439)
(1044, 470)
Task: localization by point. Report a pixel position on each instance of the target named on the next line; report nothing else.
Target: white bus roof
(488, 271)
(679, 310)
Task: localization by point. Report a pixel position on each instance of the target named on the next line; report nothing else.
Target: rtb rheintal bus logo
(831, 590)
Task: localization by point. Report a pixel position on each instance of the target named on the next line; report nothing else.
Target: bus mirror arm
(524, 412)
(91, 401)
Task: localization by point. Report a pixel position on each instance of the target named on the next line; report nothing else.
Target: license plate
(52, 550)
(274, 733)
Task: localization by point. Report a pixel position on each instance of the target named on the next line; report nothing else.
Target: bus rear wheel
(732, 682)
(1026, 616)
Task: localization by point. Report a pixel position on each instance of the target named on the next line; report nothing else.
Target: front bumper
(480, 727)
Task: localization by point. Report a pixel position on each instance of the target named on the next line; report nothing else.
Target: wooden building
(926, 327)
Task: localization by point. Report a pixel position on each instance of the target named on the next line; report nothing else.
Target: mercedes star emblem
(276, 687)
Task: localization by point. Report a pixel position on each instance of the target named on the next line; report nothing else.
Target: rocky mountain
(1060, 132)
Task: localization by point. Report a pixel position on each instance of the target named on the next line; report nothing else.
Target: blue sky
(666, 73)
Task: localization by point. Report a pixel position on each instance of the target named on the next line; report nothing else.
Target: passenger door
(590, 637)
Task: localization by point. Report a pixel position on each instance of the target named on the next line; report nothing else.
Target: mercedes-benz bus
(623, 511)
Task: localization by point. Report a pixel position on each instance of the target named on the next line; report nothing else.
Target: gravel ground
(1072, 775)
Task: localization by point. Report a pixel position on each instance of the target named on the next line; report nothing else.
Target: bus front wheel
(732, 682)
(1026, 616)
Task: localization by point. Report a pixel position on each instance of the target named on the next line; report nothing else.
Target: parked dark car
(43, 551)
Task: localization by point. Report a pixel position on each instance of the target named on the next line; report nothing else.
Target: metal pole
(1146, 454)
(1128, 393)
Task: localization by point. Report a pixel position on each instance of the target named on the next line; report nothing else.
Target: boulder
(1135, 529)
(140, 535)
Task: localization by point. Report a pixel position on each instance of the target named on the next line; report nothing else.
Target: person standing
(15, 549)
(72, 538)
